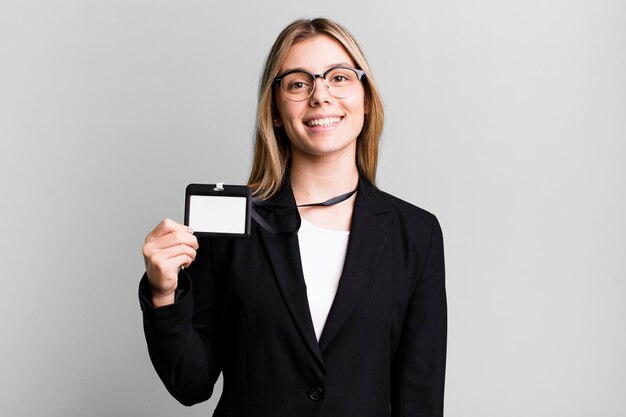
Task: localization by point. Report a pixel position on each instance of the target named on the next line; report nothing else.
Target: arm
(418, 368)
(182, 337)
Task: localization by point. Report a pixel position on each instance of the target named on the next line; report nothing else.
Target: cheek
(359, 107)
(359, 102)
(286, 111)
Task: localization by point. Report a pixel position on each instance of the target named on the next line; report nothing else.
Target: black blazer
(244, 312)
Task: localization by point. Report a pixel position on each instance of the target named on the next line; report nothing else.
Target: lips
(324, 121)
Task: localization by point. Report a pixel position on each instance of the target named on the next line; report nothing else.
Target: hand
(167, 248)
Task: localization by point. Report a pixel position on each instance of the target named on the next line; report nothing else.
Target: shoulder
(408, 215)
(408, 211)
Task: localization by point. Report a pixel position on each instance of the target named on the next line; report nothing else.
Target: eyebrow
(340, 64)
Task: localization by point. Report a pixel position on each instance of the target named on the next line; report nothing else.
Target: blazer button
(316, 393)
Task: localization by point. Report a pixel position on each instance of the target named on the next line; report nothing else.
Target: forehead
(316, 54)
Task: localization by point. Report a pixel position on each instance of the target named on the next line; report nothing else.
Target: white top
(322, 252)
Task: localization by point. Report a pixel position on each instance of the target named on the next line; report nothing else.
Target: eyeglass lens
(299, 85)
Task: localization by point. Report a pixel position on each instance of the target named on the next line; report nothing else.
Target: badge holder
(218, 209)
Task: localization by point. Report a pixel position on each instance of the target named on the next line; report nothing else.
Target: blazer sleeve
(182, 337)
(418, 367)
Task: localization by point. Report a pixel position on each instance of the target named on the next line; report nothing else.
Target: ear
(366, 103)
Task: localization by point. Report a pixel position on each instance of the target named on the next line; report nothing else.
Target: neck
(316, 181)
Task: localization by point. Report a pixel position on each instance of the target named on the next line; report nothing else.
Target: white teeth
(324, 122)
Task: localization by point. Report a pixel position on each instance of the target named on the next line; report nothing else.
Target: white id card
(218, 210)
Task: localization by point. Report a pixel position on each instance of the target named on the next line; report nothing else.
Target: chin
(328, 149)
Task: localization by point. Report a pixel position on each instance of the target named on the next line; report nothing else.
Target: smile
(328, 121)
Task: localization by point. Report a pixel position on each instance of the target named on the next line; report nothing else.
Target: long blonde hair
(272, 152)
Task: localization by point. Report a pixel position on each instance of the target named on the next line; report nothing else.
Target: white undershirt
(322, 252)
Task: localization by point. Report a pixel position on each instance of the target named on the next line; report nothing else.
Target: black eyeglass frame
(359, 75)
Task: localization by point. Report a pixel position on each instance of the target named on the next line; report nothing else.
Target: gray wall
(505, 118)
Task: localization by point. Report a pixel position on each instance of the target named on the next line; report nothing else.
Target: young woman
(325, 310)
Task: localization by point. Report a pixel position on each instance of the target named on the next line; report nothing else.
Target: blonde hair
(272, 152)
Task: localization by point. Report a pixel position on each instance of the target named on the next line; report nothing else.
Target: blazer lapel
(368, 237)
(284, 255)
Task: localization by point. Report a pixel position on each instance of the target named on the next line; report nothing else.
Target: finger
(174, 239)
(173, 252)
(168, 226)
(181, 261)
(158, 258)
(152, 256)
(164, 272)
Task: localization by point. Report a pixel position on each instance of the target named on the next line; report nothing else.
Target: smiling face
(321, 126)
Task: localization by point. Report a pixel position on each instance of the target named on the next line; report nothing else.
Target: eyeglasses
(298, 85)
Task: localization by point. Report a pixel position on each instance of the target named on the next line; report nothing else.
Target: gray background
(504, 118)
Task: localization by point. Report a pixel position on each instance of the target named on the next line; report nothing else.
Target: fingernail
(190, 230)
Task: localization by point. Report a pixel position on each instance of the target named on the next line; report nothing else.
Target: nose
(321, 93)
